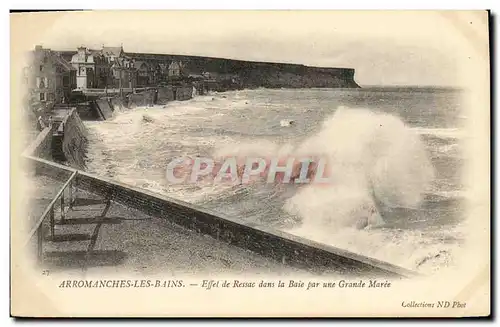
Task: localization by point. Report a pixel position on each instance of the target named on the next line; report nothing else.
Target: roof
(55, 58)
(90, 54)
(63, 63)
(89, 58)
(112, 51)
(122, 62)
(139, 63)
(94, 52)
(175, 64)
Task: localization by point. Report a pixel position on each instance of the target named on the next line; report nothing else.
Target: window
(41, 68)
(50, 97)
(65, 81)
(40, 82)
(42, 96)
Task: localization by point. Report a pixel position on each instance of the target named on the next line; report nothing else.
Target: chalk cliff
(262, 74)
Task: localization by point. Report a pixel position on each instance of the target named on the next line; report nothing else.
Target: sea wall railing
(65, 200)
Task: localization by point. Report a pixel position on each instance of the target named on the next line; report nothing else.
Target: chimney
(38, 48)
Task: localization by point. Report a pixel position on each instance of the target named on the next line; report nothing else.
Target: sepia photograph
(175, 163)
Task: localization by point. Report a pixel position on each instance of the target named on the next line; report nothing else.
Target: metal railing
(50, 213)
(113, 91)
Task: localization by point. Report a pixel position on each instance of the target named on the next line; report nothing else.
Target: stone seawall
(74, 140)
(282, 247)
(174, 93)
(142, 99)
(87, 111)
(166, 94)
(41, 147)
(160, 95)
(104, 108)
(183, 93)
(117, 103)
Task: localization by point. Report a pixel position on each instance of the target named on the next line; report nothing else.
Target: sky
(385, 48)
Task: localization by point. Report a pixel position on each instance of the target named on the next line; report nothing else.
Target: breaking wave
(377, 162)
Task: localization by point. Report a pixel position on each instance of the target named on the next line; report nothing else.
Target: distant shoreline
(372, 88)
(407, 87)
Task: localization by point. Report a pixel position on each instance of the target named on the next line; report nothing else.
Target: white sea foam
(412, 249)
(445, 133)
(374, 159)
(449, 149)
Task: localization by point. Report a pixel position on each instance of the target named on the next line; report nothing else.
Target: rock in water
(147, 119)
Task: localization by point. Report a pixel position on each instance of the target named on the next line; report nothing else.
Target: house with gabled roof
(124, 73)
(112, 53)
(143, 72)
(49, 78)
(176, 69)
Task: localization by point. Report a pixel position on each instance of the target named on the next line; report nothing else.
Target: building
(93, 70)
(105, 68)
(143, 73)
(49, 78)
(176, 69)
(113, 53)
(124, 73)
(164, 70)
(156, 73)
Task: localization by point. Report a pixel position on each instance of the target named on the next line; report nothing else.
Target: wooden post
(39, 244)
(120, 80)
(51, 220)
(62, 207)
(70, 195)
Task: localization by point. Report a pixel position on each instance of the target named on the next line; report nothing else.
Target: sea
(424, 230)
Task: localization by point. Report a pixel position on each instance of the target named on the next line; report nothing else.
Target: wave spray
(376, 162)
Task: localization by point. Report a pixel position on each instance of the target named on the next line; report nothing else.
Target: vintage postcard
(250, 164)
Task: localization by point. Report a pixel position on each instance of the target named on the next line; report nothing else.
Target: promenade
(101, 237)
